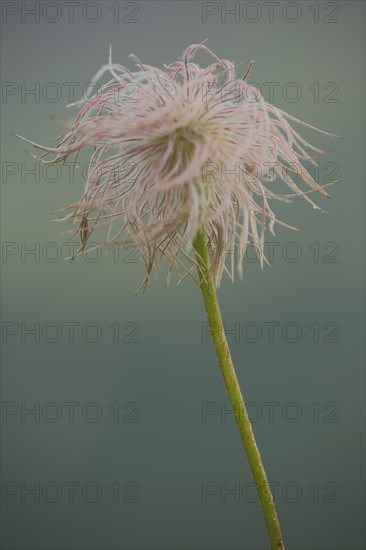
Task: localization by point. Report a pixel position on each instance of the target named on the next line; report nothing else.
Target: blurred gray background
(130, 446)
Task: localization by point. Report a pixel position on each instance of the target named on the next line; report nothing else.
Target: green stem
(236, 399)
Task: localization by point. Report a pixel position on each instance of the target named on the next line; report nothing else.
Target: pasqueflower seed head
(179, 149)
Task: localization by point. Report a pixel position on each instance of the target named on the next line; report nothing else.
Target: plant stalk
(232, 385)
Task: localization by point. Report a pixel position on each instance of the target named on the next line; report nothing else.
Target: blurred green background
(149, 408)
